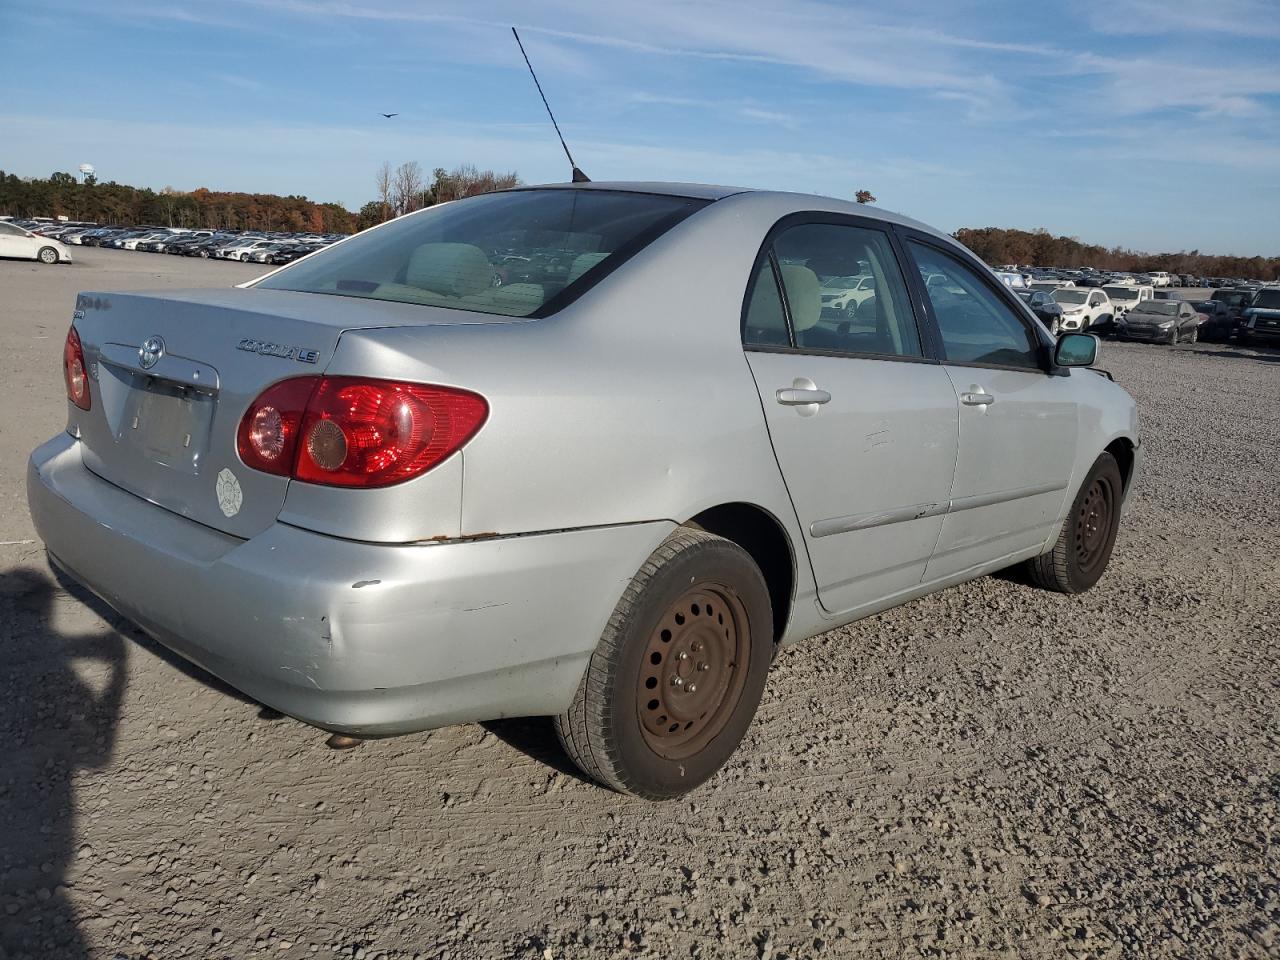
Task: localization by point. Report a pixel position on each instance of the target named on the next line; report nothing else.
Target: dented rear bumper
(365, 639)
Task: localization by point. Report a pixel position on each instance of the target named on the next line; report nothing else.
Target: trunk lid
(172, 374)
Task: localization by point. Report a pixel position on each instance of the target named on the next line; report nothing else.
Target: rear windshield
(520, 253)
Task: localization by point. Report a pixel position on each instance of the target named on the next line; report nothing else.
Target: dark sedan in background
(1161, 321)
(1045, 307)
(1219, 323)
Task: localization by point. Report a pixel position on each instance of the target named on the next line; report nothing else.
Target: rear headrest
(804, 294)
(582, 263)
(451, 269)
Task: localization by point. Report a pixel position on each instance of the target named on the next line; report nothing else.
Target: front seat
(804, 296)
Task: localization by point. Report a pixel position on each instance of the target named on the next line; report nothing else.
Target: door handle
(977, 399)
(802, 397)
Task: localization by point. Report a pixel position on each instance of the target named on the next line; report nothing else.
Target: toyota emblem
(150, 352)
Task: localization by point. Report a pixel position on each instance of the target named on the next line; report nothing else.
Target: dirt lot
(992, 771)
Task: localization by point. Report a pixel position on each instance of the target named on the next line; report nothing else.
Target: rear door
(1018, 424)
(862, 419)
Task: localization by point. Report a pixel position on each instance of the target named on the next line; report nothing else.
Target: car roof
(704, 191)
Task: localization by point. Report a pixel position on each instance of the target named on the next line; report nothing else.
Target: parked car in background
(1124, 297)
(1047, 309)
(19, 243)
(298, 524)
(1219, 325)
(842, 295)
(1161, 321)
(1235, 300)
(1083, 309)
(1260, 320)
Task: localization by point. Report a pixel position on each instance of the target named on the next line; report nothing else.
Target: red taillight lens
(354, 432)
(74, 371)
(268, 434)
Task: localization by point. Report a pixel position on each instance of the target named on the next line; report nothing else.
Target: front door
(1018, 424)
(863, 425)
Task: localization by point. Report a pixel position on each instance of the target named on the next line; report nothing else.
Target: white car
(1159, 278)
(846, 294)
(132, 242)
(1082, 308)
(241, 251)
(24, 245)
(1012, 279)
(1048, 286)
(1125, 296)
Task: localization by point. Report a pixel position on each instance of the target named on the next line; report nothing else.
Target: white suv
(1082, 308)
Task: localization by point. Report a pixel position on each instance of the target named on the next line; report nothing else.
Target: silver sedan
(592, 451)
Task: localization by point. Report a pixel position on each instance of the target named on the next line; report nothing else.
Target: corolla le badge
(150, 352)
(264, 348)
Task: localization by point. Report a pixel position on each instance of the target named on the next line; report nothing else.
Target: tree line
(400, 190)
(405, 188)
(1039, 248)
(62, 194)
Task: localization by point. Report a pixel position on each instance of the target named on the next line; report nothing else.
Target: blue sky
(1149, 124)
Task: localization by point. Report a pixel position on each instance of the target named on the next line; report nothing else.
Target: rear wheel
(47, 255)
(676, 678)
(1080, 556)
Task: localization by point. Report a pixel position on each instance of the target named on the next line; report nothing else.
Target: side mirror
(1076, 350)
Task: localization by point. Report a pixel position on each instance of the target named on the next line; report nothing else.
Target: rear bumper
(359, 638)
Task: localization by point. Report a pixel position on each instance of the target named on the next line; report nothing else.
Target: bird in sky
(390, 115)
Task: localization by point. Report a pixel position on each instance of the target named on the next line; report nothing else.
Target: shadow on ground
(59, 711)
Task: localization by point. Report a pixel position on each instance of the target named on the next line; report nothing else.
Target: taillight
(268, 434)
(356, 432)
(74, 371)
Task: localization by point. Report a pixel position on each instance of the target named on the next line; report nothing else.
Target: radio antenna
(578, 175)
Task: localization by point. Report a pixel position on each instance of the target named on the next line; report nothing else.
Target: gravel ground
(991, 771)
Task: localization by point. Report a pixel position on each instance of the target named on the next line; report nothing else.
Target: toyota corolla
(387, 488)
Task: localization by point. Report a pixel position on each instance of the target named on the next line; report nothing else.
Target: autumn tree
(408, 187)
(864, 196)
(383, 181)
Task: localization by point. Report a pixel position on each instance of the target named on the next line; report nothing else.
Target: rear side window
(844, 293)
(520, 253)
(976, 325)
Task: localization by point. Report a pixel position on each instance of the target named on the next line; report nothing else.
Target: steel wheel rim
(1093, 525)
(693, 671)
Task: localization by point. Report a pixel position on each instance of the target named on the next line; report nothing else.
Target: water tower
(86, 171)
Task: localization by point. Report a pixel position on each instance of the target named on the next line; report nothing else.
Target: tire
(698, 595)
(47, 255)
(1195, 337)
(1080, 556)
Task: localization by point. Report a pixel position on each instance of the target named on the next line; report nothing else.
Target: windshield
(516, 253)
(1268, 299)
(1071, 296)
(841, 283)
(1163, 308)
(1121, 293)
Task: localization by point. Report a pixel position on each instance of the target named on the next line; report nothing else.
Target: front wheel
(1088, 535)
(676, 678)
(47, 255)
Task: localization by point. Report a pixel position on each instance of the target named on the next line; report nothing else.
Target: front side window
(844, 293)
(9, 230)
(976, 325)
(517, 253)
